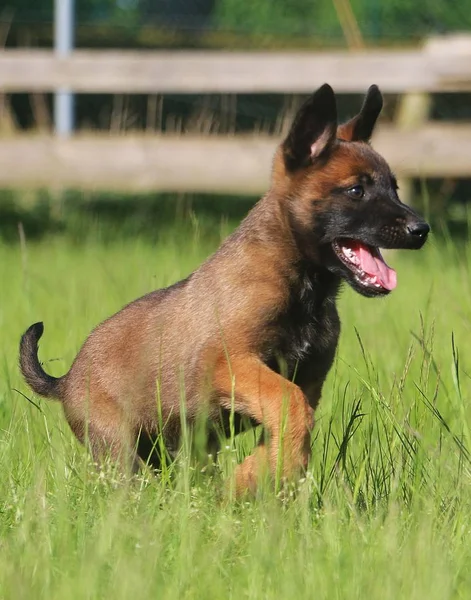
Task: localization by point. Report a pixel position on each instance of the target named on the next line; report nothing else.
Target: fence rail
(437, 66)
(239, 165)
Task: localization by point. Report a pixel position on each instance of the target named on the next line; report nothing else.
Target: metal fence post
(63, 45)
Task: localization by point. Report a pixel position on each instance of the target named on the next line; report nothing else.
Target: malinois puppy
(253, 332)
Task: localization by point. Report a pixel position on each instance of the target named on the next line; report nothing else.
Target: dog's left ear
(360, 128)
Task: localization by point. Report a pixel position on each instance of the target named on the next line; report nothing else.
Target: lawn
(385, 511)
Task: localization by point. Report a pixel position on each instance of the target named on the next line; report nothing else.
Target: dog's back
(161, 349)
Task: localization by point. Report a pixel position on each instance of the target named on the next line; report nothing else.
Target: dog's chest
(305, 334)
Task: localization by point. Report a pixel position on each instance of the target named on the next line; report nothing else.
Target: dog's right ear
(313, 132)
(360, 128)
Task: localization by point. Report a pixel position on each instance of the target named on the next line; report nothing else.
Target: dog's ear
(360, 128)
(314, 130)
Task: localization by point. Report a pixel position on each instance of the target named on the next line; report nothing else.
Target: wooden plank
(216, 71)
(432, 150)
(237, 165)
(412, 111)
(442, 64)
(138, 163)
(450, 56)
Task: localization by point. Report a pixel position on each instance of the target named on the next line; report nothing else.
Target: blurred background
(145, 111)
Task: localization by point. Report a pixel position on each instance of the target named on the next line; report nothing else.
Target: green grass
(383, 513)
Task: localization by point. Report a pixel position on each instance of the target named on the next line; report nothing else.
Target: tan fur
(204, 338)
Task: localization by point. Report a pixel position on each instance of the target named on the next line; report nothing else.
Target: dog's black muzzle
(400, 229)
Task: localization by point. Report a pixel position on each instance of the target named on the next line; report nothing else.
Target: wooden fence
(414, 146)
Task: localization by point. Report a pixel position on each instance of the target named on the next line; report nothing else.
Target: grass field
(385, 511)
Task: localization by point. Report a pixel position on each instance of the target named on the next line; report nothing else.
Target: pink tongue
(376, 267)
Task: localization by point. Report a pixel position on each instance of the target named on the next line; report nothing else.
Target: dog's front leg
(247, 386)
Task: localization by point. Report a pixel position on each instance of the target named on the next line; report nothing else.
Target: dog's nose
(419, 230)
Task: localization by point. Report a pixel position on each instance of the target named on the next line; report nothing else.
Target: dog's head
(341, 194)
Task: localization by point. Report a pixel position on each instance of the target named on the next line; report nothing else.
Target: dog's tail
(35, 376)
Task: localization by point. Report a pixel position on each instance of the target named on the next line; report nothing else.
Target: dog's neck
(317, 284)
(270, 224)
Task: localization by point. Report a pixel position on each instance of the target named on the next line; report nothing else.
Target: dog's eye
(356, 192)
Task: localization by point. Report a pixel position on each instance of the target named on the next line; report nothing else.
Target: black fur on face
(365, 208)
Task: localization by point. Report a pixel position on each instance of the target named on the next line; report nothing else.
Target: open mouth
(366, 264)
